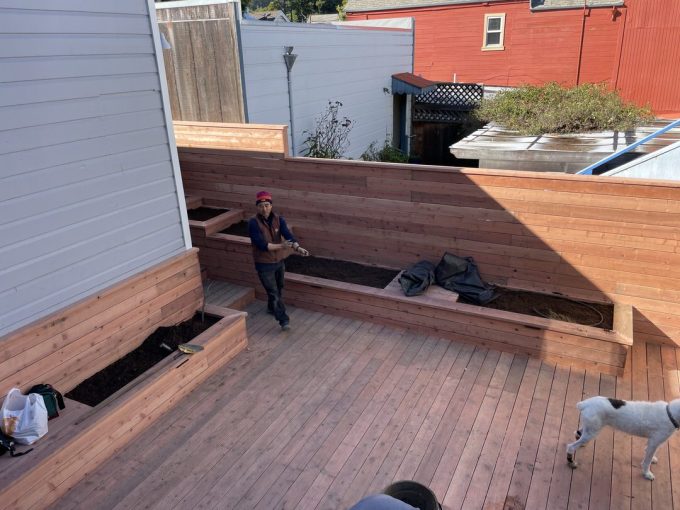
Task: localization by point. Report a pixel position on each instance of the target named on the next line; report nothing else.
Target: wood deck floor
(334, 409)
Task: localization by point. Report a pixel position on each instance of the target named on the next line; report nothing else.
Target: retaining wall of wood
(589, 237)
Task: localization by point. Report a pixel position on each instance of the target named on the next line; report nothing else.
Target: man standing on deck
(272, 242)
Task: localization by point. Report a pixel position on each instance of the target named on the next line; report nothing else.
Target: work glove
(295, 246)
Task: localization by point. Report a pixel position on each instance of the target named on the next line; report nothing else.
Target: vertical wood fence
(202, 67)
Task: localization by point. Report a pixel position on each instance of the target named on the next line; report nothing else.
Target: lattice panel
(421, 114)
(466, 95)
(449, 102)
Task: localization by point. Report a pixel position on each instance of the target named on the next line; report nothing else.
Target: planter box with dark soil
(341, 271)
(438, 312)
(204, 221)
(159, 345)
(62, 457)
(583, 346)
(239, 229)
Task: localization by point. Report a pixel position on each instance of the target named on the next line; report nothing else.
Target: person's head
(263, 202)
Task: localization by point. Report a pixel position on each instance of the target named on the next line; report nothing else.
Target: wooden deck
(336, 408)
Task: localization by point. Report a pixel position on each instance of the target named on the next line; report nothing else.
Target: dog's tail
(584, 404)
(581, 405)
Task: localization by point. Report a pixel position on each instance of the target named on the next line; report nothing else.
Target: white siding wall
(661, 164)
(88, 194)
(350, 65)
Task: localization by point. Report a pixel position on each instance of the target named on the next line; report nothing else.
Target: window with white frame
(494, 28)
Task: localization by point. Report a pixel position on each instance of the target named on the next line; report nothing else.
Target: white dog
(654, 420)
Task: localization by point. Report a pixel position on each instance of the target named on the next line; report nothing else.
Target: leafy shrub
(387, 153)
(551, 108)
(330, 136)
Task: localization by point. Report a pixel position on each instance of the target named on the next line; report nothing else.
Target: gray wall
(334, 63)
(88, 186)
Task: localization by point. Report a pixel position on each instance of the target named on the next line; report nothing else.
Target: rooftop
(379, 5)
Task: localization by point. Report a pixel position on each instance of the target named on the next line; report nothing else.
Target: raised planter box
(436, 314)
(213, 225)
(61, 459)
(193, 201)
(228, 257)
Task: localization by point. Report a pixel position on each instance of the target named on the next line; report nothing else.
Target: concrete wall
(334, 63)
(662, 164)
(88, 172)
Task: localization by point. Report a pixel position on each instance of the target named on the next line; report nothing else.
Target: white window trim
(494, 47)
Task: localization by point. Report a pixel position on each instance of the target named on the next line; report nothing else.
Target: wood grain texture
(202, 65)
(598, 239)
(339, 408)
(70, 345)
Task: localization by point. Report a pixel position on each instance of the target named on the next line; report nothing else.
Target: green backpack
(52, 398)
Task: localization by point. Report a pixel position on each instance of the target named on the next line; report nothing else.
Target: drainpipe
(289, 59)
(580, 47)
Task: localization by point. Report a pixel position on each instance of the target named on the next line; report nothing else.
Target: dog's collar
(670, 416)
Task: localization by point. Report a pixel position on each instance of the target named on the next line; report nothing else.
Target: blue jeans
(272, 281)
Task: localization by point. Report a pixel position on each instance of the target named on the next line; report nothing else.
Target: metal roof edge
(434, 3)
(619, 3)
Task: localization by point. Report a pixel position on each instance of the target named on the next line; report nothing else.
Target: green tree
(299, 10)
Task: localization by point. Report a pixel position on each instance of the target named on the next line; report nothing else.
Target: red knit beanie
(263, 196)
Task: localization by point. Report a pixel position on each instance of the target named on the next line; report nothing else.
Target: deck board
(337, 408)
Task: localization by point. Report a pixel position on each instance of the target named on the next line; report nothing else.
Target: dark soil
(204, 213)
(553, 307)
(341, 271)
(527, 303)
(237, 229)
(106, 382)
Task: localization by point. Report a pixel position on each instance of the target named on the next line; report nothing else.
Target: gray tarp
(460, 274)
(416, 279)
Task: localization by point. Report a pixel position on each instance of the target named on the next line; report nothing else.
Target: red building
(630, 45)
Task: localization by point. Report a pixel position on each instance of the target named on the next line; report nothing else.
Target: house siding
(350, 65)
(539, 46)
(650, 52)
(628, 48)
(88, 194)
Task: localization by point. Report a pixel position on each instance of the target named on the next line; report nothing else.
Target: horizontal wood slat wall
(70, 345)
(587, 237)
(70, 453)
(263, 138)
(604, 351)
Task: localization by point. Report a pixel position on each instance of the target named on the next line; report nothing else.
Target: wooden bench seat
(84, 437)
(11, 468)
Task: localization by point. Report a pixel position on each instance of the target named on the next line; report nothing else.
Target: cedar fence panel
(588, 237)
